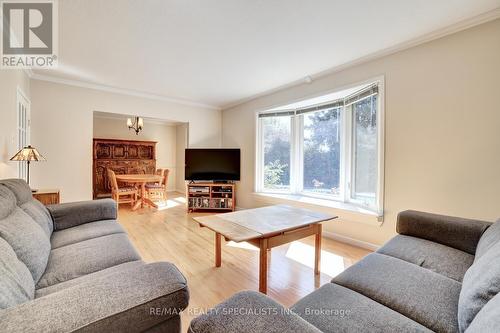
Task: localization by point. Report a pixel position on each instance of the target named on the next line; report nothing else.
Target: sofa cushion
(488, 319)
(333, 308)
(7, 202)
(72, 214)
(171, 325)
(87, 278)
(39, 214)
(84, 232)
(250, 312)
(132, 300)
(490, 237)
(426, 297)
(459, 233)
(20, 188)
(16, 283)
(436, 257)
(481, 283)
(75, 260)
(28, 240)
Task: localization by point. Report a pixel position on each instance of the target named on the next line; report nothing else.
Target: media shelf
(210, 197)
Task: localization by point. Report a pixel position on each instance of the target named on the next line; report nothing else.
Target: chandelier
(137, 124)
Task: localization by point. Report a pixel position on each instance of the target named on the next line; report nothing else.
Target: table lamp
(28, 154)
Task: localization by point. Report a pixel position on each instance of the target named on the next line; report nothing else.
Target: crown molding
(111, 89)
(449, 30)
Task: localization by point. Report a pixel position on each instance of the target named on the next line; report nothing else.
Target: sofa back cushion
(20, 188)
(27, 239)
(7, 202)
(40, 215)
(487, 320)
(34, 208)
(480, 284)
(16, 283)
(489, 238)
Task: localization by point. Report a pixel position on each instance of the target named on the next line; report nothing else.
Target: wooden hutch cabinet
(123, 157)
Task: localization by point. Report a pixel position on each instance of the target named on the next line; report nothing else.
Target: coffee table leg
(263, 266)
(317, 249)
(218, 250)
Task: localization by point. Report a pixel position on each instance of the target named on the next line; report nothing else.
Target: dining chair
(124, 194)
(158, 191)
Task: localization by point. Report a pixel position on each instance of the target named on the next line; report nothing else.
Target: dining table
(141, 180)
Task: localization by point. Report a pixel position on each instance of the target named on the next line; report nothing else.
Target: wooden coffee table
(266, 228)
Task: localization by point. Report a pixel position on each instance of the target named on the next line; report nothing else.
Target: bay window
(330, 150)
(277, 134)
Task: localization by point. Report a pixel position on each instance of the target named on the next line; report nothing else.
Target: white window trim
(346, 211)
(21, 98)
(346, 153)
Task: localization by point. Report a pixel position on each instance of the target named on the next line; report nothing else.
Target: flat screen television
(215, 164)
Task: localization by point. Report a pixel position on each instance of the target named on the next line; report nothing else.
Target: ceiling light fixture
(137, 124)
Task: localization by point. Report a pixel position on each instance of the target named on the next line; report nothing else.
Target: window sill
(346, 212)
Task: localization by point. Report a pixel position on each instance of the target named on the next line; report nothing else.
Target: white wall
(10, 81)
(442, 144)
(164, 135)
(62, 128)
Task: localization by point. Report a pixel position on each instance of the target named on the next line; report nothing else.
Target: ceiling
(220, 52)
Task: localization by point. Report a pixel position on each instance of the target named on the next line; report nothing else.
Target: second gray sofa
(71, 267)
(440, 274)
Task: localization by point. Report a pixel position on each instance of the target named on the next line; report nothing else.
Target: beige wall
(10, 81)
(182, 133)
(164, 135)
(62, 128)
(442, 143)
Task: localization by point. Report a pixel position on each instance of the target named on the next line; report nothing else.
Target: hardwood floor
(170, 234)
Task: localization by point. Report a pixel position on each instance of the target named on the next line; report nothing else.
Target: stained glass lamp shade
(28, 154)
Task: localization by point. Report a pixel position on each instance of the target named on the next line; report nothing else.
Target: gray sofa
(71, 267)
(440, 274)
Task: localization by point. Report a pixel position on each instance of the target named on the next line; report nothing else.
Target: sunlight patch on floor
(180, 199)
(162, 205)
(243, 245)
(331, 264)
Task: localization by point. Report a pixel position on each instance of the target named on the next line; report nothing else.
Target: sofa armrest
(131, 300)
(250, 311)
(459, 233)
(71, 214)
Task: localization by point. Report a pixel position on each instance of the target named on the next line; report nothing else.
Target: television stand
(210, 197)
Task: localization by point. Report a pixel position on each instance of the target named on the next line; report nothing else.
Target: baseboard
(350, 241)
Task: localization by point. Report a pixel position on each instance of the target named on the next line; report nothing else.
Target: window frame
(347, 151)
(23, 125)
(260, 159)
(300, 181)
(351, 160)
